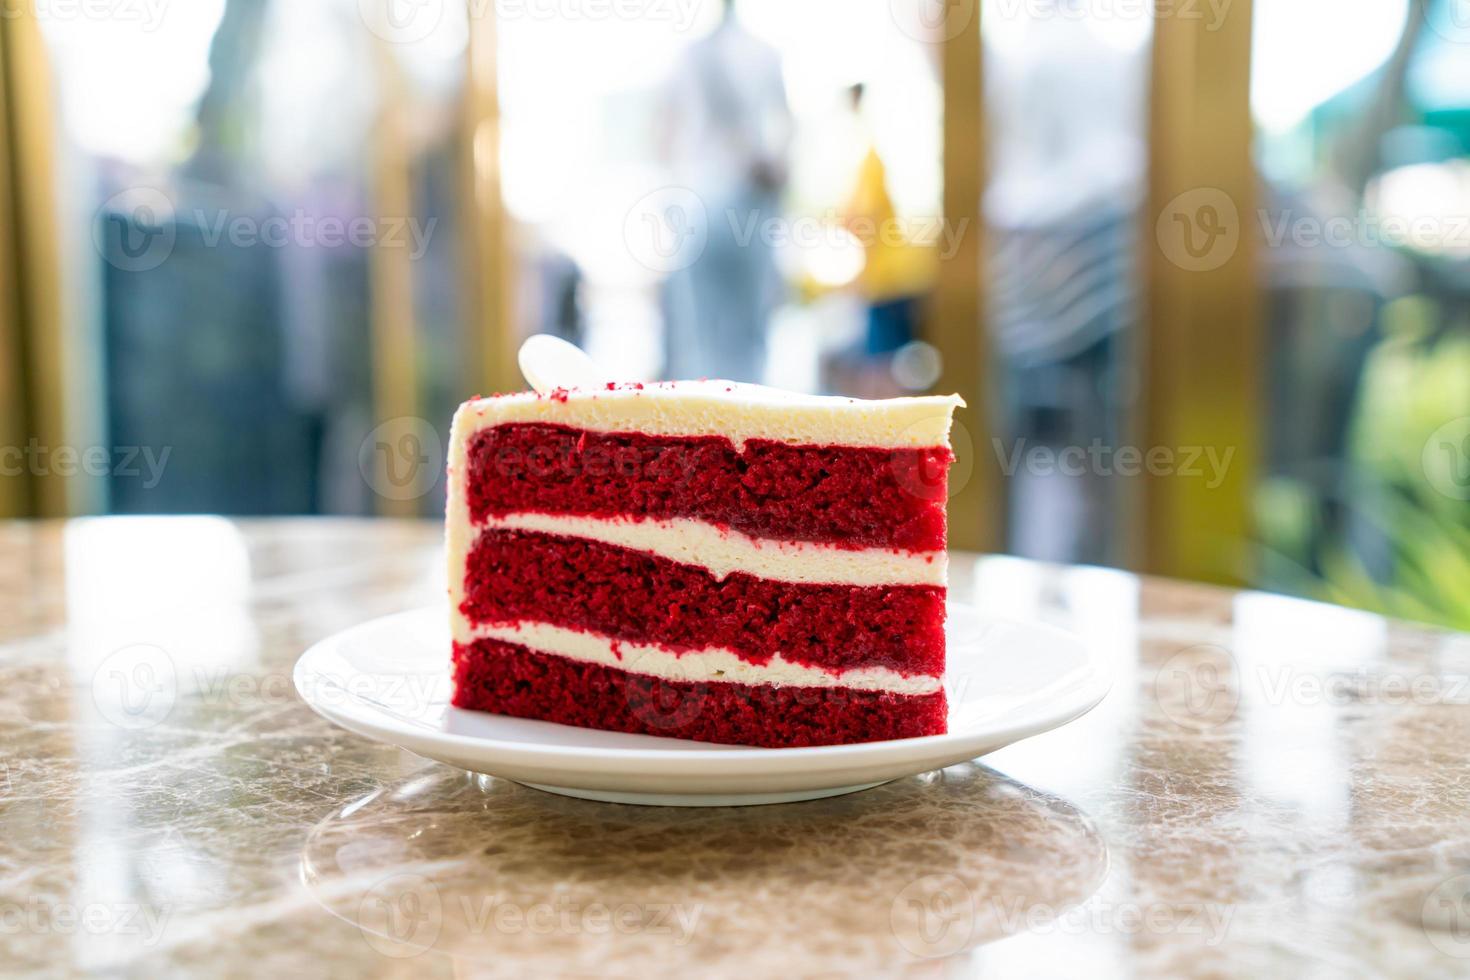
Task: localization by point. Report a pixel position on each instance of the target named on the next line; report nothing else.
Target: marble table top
(1274, 787)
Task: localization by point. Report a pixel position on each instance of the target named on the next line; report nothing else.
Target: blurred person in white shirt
(728, 129)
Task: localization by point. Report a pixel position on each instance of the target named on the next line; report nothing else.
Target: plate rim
(733, 760)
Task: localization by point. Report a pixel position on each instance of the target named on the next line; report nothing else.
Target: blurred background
(1201, 268)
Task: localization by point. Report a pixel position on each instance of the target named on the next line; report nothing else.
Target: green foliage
(1418, 535)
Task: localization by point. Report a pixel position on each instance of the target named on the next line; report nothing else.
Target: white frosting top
(572, 390)
(724, 408)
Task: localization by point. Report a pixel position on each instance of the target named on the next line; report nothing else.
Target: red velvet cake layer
(510, 679)
(854, 497)
(638, 597)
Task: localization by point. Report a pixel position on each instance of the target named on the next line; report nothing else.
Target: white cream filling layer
(721, 551)
(724, 408)
(714, 664)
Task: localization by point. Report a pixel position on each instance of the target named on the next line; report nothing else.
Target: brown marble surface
(1274, 787)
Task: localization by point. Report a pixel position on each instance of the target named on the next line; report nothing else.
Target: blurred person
(726, 137)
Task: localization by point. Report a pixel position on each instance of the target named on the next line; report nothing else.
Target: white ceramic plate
(388, 679)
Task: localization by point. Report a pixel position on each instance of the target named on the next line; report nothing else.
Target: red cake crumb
(510, 679)
(852, 497)
(513, 576)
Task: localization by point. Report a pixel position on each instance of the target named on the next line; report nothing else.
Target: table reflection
(490, 872)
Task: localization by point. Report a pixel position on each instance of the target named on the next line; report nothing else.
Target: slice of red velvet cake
(703, 560)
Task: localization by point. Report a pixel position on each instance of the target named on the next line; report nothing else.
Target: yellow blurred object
(895, 266)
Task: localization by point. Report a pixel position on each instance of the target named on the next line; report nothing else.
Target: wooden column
(15, 488)
(393, 320)
(491, 336)
(33, 339)
(1199, 354)
(957, 324)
